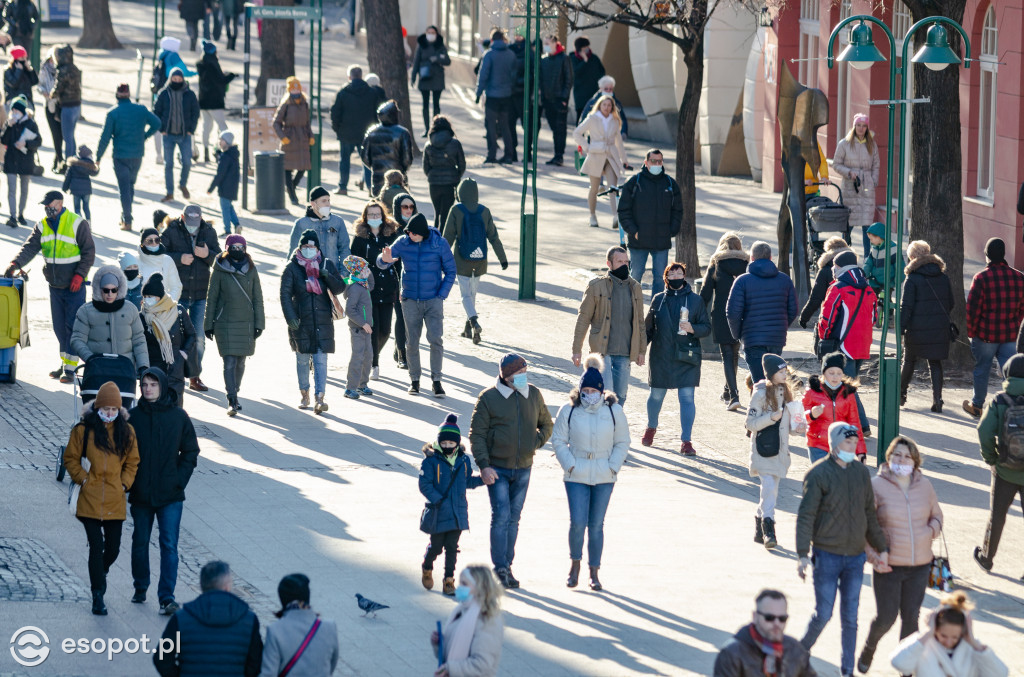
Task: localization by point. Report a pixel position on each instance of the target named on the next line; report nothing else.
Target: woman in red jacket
(829, 398)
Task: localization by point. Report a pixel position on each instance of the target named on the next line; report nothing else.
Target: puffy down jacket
(762, 305)
(429, 266)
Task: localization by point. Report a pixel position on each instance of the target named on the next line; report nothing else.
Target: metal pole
(245, 110)
(319, 133)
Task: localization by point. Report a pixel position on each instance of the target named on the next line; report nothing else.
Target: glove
(76, 282)
(209, 334)
(504, 265)
(803, 323)
(285, 141)
(478, 98)
(293, 324)
(258, 332)
(312, 141)
(10, 270)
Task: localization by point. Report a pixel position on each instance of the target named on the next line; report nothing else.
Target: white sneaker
(375, 374)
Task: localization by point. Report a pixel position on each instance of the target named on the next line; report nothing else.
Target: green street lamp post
(861, 54)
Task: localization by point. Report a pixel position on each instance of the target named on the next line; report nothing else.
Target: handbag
(954, 331)
(424, 71)
(428, 518)
(768, 440)
(301, 650)
(337, 311)
(687, 348)
(824, 346)
(37, 169)
(192, 361)
(75, 490)
(940, 576)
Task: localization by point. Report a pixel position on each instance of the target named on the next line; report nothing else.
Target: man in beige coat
(613, 311)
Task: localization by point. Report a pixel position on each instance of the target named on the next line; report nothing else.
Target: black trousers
(234, 369)
(427, 117)
(556, 112)
(442, 197)
(1003, 493)
(449, 540)
(898, 592)
(731, 362)
(907, 372)
(104, 538)
(400, 347)
(496, 121)
(383, 312)
(293, 178)
(53, 121)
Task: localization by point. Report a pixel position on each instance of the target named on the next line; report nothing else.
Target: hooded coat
(114, 328)
(722, 271)
(292, 122)
(183, 337)
(102, 496)
(78, 178)
(444, 163)
(168, 448)
(354, 111)
(822, 281)
(925, 307)
(759, 417)
(429, 266)
(761, 305)
(874, 266)
(234, 307)
(468, 194)
(228, 174)
(213, 82)
(556, 76)
(67, 88)
(313, 311)
(387, 145)
(195, 276)
(435, 475)
(220, 637)
(848, 314)
(497, 76)
(192, 10)
(591, 443)
(15, 161)
(433, 55)
(990, 428)
(662, 327)
(369, 246)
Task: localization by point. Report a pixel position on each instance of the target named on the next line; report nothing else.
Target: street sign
(279, 12)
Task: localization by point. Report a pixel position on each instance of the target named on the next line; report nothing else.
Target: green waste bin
(269, 181)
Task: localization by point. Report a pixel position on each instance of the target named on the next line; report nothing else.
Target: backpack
(1011, 435)
(159, 77)
(473, 238)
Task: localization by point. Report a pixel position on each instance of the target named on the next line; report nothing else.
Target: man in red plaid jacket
(995, 308)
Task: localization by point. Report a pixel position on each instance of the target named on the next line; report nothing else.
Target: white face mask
(105, 417)
(431, 37)
(901, 469)
(324, 211)
(847, 456)
(655, 169)
(15, 115)
(548, 49)
(308, 252)
(374, 223)
(151, 300)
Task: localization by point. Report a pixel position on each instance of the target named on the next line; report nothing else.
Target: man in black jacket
(354, 110)
(651, 212)
(168, 452)
(219, 633)
(386, 146)
(587, 70)
(178, 109)
(555, 88)
(192, 243)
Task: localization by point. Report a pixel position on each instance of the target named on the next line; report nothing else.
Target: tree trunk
(277, 53)
(385, 53)
(686, 136)
(98, 31)
(937, 195)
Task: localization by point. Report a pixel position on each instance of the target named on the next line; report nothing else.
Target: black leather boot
(476, 329)
(574, 574)
(758, 531)
(768, 524)
(98, 607)
(468, 331)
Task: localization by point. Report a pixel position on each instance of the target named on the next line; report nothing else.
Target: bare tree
(681, 22)
(277, 52)
(98, 31)
(385, 52)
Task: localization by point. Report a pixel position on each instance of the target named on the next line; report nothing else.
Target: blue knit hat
(209, 47)
(592, 377)
(449, 430)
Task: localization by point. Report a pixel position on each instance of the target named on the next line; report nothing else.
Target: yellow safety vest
(61, 247)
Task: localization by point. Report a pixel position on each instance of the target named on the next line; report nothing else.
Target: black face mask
(236, 255)
(177, 85)
(131, 274)
(676, 284)
(622, 272)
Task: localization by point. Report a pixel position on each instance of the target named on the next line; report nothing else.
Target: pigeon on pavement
(369, 606)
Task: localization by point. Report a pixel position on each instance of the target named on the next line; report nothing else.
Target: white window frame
(987, 98)
(810, 32)
(843, 81)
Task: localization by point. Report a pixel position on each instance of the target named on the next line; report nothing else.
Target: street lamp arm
(928, 21)
(863, 18)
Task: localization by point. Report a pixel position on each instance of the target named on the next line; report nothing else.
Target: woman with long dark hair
(374, 230)
(102, 456)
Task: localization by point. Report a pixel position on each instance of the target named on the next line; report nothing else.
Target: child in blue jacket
(78, 180)
(445, 474)
(226, 181)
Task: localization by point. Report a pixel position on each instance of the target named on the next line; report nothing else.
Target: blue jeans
(183, 143)
(507, 494)
(82, 206)
(852, 369)
(638, 263)
(169, 519)
(845, 575)
(616, 375)
(817, 453)
(126, 170)
(984, 352)
(228, 215)
(68, 119)
(753, 355)
(197, 313)
(64, 305)
(587, 507)
(345, 164)
(319, 360)
(687, 410)
(216, 15)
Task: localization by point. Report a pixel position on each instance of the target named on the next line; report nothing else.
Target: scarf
(161, 319)
(111, 307)
(772, 653)
(312, 267)
(352, 279)
(176, 111)
(459, 630)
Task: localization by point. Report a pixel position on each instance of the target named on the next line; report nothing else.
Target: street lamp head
(861, 53)
(936, 52)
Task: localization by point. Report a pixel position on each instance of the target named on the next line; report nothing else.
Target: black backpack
(473, 238)
(1011, 434)
(159, 77)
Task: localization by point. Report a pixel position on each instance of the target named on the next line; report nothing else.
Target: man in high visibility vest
(65, 241)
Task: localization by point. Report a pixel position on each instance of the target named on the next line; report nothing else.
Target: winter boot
(448, 586)
(574, 574)
(595, 583)
(866, 656)
(428, 578)
(768, 524)
(98, 607)
(304, 403)
(758, 531)
(937, 406)
(291, 192)
(468, 331)
(232, 406)
(476, 329)
(320, 406)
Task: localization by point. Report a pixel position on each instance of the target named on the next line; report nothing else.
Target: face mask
(449, 452)
(296, 95)
(901, 469)
(655, 169)
(834, 384)
(519, 381)
(151, 301)
(847, 456)
(15, 115)
(308, 252)
(462, 593)
(548, 49)
(622, 272)
(431, 37)
(192, 229)
(152, 249)
(53, 212)
(236, 255)
(105, 418)
(676, 284)
(177, 85)
(590, 399)
(374, 223)
(131, 274)
(324, 211)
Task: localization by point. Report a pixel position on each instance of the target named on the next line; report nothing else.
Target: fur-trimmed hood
(422, 41)
(815, 384)
(827, 257)
(914, 264)
(574, 397)
(97, 282)
(430, 448)
(722, 254)
(387, 229)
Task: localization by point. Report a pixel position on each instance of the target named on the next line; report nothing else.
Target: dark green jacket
(506, 431)
(837, 511)
(468, 195)
(991, 424)
(231, 316)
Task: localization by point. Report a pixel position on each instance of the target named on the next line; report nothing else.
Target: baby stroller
(825, 218)
(96, 371)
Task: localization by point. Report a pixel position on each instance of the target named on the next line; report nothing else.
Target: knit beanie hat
(317, 193)
(123, 91)
(176, 71)
(293, 84)
(592, 377)
(125, 259)
(109, 279)
(148, 232)
(449, 430)
(1014, 367)
(293, 588)
(18, 52)
(227, 137)
(839, 431)
(843, 262)
(18, 105)
(209, 47)
(309, 235)
(510, 364)
(835, 359)
(234, 239)
(109, 395)
(995, 250)
(772, 365)
(418, 226)
(154, 286)
(355, 265)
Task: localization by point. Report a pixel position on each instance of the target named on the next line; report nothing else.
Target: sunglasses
(771, 618)
(407, 208)
(151, 240)
(112, 290)
(236, 248)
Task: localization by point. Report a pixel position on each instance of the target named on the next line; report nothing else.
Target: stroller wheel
(60, 464)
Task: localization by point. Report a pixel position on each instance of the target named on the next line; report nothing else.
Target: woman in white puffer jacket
(153, 258)
(591, 440)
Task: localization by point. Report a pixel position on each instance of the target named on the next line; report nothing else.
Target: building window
(987, 105)
(901, 21)
(459, 19)
(843, 88)
(810, 30)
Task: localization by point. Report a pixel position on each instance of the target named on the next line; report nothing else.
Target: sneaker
(593, 221)
(648, 439)
(974, 411)
(984, 562)
(734, 404)
(12, 222)
(402, 364)
(438, 390)
(139, 597)
(686, 449)
(724, 397)
(366, 391)
(414, 388)
(375, 374)
(351, 394)
(168, 608)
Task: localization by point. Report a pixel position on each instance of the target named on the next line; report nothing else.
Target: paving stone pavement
(278, 490)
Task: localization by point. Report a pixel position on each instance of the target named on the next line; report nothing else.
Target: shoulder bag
(75, 490)
(954, 331)
(824, 346)
(301, 650)
(428, 518)
(767, 441)
(685, 348)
